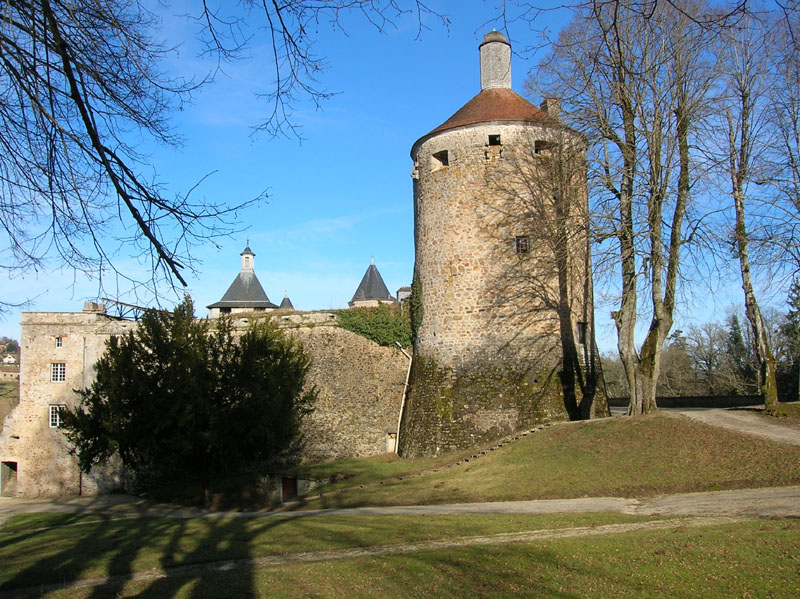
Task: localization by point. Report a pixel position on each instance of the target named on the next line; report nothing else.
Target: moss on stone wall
(451, 410)
(415, 304)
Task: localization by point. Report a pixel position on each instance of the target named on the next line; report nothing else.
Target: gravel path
(746, 422)
(766, 502)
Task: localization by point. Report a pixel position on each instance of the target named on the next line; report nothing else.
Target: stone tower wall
(44, 466)
(489, 347)
(466, 261)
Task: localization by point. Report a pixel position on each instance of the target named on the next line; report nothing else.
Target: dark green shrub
(383, 324)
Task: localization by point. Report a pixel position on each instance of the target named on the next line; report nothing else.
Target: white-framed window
(522, 244)
(59, 341)
(58, 372)
(55, 415)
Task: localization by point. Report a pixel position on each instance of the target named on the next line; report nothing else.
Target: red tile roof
(493, 105)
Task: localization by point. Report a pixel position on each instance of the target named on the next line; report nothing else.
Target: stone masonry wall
(44, 466)
(446, 410)
(360, 386)
(465, 257)
(360, 391)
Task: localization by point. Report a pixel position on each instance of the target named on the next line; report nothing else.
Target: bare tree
(83, 83)
(784, 117)
(636, 87)
(745, 76)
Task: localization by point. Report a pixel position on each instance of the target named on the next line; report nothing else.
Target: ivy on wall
(383, 324)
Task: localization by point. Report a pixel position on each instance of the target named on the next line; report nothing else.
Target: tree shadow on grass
(176, 551)
(214, 557)
(71, 552)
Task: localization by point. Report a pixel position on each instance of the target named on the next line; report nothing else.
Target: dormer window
(440, 159)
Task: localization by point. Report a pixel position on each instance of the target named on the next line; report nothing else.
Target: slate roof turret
(286, 303)
(246, 290)
(372, 286)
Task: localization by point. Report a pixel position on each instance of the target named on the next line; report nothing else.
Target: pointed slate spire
(286, 303)
(372, 289)
(246, 292)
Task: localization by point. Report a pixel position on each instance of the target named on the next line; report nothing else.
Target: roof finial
(372, 260)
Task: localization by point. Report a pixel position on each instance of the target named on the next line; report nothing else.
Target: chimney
(94, 307)
(495, 61)
(552, 106)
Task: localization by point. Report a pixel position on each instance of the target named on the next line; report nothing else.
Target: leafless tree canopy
(82, 85)
(79, 85)
(654, 85)
(291, 30)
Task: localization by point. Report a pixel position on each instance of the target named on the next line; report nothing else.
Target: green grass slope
(620, 457)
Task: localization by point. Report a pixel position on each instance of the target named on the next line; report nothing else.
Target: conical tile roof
(494, 105)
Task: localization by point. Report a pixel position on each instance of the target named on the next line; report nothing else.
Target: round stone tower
(501, 297)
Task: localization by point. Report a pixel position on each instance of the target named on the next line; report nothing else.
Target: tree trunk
(767, 376)
(739, 160)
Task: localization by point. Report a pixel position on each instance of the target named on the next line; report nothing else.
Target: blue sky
(343, 195)
(337, 199)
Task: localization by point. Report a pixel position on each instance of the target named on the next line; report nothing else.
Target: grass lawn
(42, 549)
(627, 457)
(756, 558)
(619, 457)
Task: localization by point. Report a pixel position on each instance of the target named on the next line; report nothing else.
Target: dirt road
(747, 422)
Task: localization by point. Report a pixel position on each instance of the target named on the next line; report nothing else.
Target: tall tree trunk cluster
(654, 87)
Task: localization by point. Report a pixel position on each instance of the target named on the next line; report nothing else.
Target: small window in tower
(441, 159)
(581, 333)
(522, 244)
(59, 341)
(494, 140)
(542, 147)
